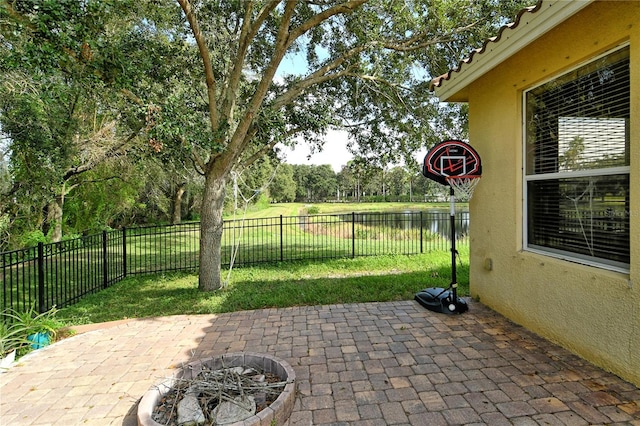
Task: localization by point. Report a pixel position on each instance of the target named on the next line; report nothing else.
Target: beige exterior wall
(591, 311)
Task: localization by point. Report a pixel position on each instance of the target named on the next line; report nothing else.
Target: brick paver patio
(390, 363)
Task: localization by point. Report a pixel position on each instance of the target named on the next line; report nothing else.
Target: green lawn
(282, 284)
(293, 209)
(365, 279)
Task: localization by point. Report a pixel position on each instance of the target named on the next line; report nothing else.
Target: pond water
(436, 221)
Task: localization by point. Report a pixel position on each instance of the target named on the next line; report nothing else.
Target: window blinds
(577, 162)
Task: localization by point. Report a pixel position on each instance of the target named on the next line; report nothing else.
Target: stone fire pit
(279, 410)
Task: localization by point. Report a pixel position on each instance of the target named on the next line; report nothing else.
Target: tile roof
(437, 82)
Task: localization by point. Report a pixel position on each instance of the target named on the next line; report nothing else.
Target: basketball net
(463, 185)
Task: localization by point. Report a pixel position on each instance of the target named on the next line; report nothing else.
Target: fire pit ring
(278, 411)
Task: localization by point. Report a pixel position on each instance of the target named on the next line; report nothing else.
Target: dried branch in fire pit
(213, 387)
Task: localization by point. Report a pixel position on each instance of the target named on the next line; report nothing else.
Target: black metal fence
(60, 274)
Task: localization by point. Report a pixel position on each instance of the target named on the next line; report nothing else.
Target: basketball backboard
(451, 158)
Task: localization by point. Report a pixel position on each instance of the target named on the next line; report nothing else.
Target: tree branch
(239, 140)
(198, 164)
(417, 41)
(236, 71)
(284, 40)
(318, 76)
(206, 61)
(268, 147)
(375, 79)
(340, 9)
(74, 171)
(247, 34)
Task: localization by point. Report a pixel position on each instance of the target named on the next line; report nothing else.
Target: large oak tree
(364, 66)
(368, 64)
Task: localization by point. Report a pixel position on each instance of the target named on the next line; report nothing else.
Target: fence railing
(60, 274)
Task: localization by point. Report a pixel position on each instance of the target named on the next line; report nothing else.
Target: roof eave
(530, 24)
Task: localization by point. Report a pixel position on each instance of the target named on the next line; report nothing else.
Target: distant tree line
(355, 183)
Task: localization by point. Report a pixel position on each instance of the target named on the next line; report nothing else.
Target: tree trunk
(211, 224)
(54, 218)
(411, 190)
(177, 203)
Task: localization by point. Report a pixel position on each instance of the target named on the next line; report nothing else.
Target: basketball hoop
(463, 185)
(457, 164)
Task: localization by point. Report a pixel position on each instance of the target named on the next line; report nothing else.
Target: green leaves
(90, 88)
(16, 327)
(74, 77)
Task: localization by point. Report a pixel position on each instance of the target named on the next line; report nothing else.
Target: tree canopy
(200, 83)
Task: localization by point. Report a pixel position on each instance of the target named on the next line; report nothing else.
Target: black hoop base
(441, 300)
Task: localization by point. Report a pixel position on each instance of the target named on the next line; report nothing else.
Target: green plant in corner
(23, 331)
(11, 338)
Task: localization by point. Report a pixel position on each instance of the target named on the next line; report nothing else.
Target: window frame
(596, 172)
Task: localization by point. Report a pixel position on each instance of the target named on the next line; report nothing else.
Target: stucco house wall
(592, 311)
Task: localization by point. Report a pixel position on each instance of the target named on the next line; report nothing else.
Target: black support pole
(353, 235)
(421, 233)
(42, 306)
(105, 261)
(281, 241)
(452, 221)
(124, 252)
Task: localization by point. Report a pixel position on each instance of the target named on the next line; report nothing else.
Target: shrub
(32, 238)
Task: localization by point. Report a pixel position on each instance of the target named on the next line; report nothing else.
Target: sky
(334, 153)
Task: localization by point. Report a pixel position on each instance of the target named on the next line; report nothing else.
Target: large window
(577, 164)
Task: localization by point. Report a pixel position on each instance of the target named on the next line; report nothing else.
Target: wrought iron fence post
(41, 297)
(281, 241)
(105, 269)
(353, 235)
(124, 252)
(421, 251)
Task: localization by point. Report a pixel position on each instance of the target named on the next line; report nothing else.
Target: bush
(32, 238)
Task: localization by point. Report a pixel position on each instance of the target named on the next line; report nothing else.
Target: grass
(293, 209)
(388, 274)
(280, 285)
(284, 284)
(330, 208)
